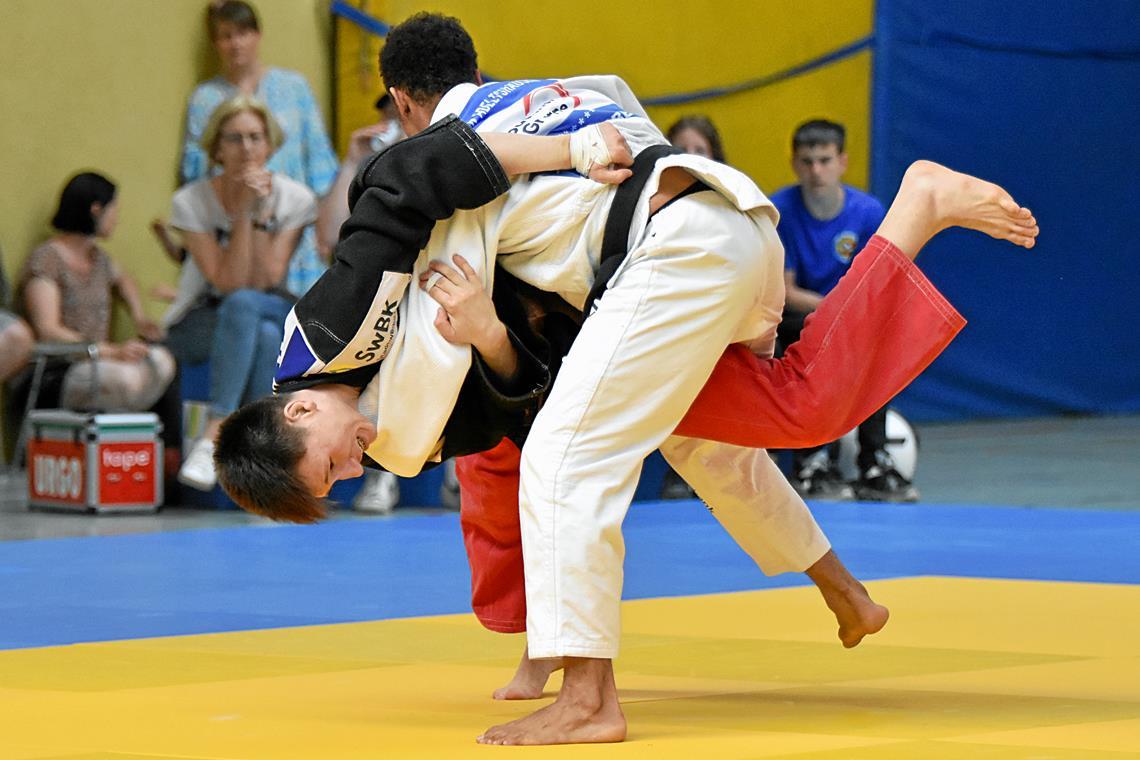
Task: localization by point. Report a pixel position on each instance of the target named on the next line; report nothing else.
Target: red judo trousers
(878, 329)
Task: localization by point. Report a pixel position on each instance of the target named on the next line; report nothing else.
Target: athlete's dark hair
(819, 132)
(240, 14)
(427, 55)
(703, 126)
(81, 191)
(256, 458)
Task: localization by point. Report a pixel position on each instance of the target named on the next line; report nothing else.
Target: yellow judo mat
(964, 669)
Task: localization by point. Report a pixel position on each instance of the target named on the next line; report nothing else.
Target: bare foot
(857, 614)
(530, 678)
(933, 198)
(585, 712)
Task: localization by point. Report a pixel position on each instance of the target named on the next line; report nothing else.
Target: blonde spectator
(241, 227)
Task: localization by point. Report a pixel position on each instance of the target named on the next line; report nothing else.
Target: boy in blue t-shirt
(823, 223)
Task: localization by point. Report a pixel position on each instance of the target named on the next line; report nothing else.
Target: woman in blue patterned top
(306, 155)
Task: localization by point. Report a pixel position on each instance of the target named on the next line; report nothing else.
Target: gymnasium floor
(1015, 629)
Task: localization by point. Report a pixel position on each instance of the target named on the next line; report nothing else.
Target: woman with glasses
(241, 226)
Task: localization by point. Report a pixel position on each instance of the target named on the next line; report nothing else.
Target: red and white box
(94, 462)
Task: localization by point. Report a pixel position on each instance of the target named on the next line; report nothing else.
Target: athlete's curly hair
(427, 55)
(256, 458)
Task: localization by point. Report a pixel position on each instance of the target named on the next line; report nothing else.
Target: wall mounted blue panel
(1043, 98)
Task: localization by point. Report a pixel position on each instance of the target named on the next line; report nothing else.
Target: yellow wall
(660, 49)
(102, 84)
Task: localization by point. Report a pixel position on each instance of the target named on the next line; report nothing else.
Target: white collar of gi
(454, 101)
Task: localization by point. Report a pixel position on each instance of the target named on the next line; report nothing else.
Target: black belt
(615, 238)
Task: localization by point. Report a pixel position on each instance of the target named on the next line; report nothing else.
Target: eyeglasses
(238, 138)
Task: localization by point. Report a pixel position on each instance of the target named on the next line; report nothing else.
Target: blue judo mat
(60, 591)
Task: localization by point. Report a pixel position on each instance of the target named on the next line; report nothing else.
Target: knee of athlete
(257, 455)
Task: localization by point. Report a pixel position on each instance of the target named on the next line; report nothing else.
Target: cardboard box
(94, 462)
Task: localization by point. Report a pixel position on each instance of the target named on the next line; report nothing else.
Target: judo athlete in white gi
(704, 272)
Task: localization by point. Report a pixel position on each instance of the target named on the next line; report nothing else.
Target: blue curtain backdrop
(1043, 98)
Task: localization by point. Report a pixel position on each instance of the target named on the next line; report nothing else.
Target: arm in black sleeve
(395, 201)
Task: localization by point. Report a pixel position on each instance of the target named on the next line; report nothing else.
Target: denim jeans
(243, 353)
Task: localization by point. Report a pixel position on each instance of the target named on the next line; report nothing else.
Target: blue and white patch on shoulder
(296, 358)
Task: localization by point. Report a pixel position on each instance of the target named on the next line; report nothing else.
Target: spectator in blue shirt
(823, 222)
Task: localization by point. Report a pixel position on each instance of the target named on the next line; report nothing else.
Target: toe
(1007, 204)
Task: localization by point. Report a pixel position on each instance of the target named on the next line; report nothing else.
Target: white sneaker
(380, 493)
(197, 470)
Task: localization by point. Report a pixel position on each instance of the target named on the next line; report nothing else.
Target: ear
(842, 161)
(297, 409)
(479, 77)
(402, 102)
(96, 209)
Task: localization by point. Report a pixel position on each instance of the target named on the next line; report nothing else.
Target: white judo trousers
(702, 275)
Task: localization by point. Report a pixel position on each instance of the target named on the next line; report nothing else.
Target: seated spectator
(16, 342)
(241, 227)
(16, 338)
(697, 134)
(66, 290)
(362, 143)
(823, 222)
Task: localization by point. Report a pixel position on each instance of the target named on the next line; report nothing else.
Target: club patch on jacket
(373, 339)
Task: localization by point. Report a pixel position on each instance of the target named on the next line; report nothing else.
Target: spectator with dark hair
(67, 287)
(823, 223)
(698, 135)
(241, 227)
(305, 155)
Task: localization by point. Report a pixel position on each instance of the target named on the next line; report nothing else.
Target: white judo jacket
(547, 231)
